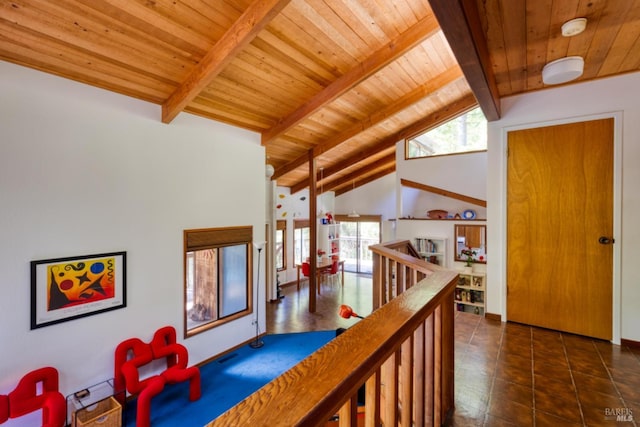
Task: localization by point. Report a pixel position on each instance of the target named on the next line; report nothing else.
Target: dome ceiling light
(566, 69)
(574, 27)
(563, 70)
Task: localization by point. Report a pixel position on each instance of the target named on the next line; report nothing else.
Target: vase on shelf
(467, 269)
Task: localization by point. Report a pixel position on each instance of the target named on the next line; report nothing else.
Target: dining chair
(331, 272)
(306, 272)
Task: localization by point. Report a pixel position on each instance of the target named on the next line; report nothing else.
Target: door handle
(603, 240)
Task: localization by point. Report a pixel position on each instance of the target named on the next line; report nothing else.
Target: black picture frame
(69, 288)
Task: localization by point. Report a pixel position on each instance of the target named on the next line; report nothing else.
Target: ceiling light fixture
(563, 70)
(574, 27)
(353, 213)
(269, 170)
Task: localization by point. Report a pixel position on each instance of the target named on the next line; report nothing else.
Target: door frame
(617, 117)
(362, 218)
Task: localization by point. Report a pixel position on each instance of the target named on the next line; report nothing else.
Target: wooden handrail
(402, 246)
(404, 252)
(403, 351)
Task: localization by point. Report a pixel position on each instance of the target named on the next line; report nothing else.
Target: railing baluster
(429, 368)
(400, 280)
(406, 381)
(419, 376)
(437, 368)
(389, 395)
(372, 395)
(349, 413)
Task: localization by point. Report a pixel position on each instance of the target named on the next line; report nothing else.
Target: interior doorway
(356, 235)
(560, 227)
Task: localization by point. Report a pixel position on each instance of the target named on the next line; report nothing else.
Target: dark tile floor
(506, 374)
(509, 374)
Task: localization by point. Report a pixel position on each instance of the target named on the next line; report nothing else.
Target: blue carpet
(229, 379)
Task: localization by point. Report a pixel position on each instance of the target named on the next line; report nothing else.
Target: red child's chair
(164, 345)
(25, 399)
(133, 354)
(4, 408)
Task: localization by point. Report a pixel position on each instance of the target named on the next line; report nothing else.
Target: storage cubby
(329, 239)
(470, 293)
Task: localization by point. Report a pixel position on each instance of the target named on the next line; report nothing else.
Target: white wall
(462, 173)
(85, 171)
(374, 198)
(613, 97)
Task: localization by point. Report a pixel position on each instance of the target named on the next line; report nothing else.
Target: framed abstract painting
(70, 288)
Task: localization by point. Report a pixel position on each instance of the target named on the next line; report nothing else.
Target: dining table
(323, 266)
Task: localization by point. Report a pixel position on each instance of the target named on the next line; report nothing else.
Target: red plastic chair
(331, 273)
(4, 408)
(133, 354)
(334, 267)
(306, 271)
(25, 399)
(164, 345)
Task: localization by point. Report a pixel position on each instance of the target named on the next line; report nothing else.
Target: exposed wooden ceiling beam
(443, 192)
(242, 32)
(429, 89)
(383, 162)
(413, 97)
(289, 167)
(451, 111)
(370, 178)
(371, 65)
(339, 167)
(462, 27)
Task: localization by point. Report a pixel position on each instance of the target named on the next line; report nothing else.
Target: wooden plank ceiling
(338, 80)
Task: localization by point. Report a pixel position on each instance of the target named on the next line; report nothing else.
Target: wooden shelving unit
(470, 293)
(432, 249)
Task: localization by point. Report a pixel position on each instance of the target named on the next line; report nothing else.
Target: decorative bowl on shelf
(437, 214)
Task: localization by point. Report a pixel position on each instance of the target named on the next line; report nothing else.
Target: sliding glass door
(356, 235)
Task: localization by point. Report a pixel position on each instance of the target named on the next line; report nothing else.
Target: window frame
(217, 238)
(300, 224)
(408, 140)
(281, 227)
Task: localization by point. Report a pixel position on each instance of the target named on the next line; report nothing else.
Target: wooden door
(559, 204)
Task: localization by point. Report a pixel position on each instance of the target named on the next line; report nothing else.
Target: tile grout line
(615, 386)
(533, 377)
(493, 376)
(573, 381)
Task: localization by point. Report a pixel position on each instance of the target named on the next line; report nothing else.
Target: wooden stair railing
(397, 266)
(402, 352)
